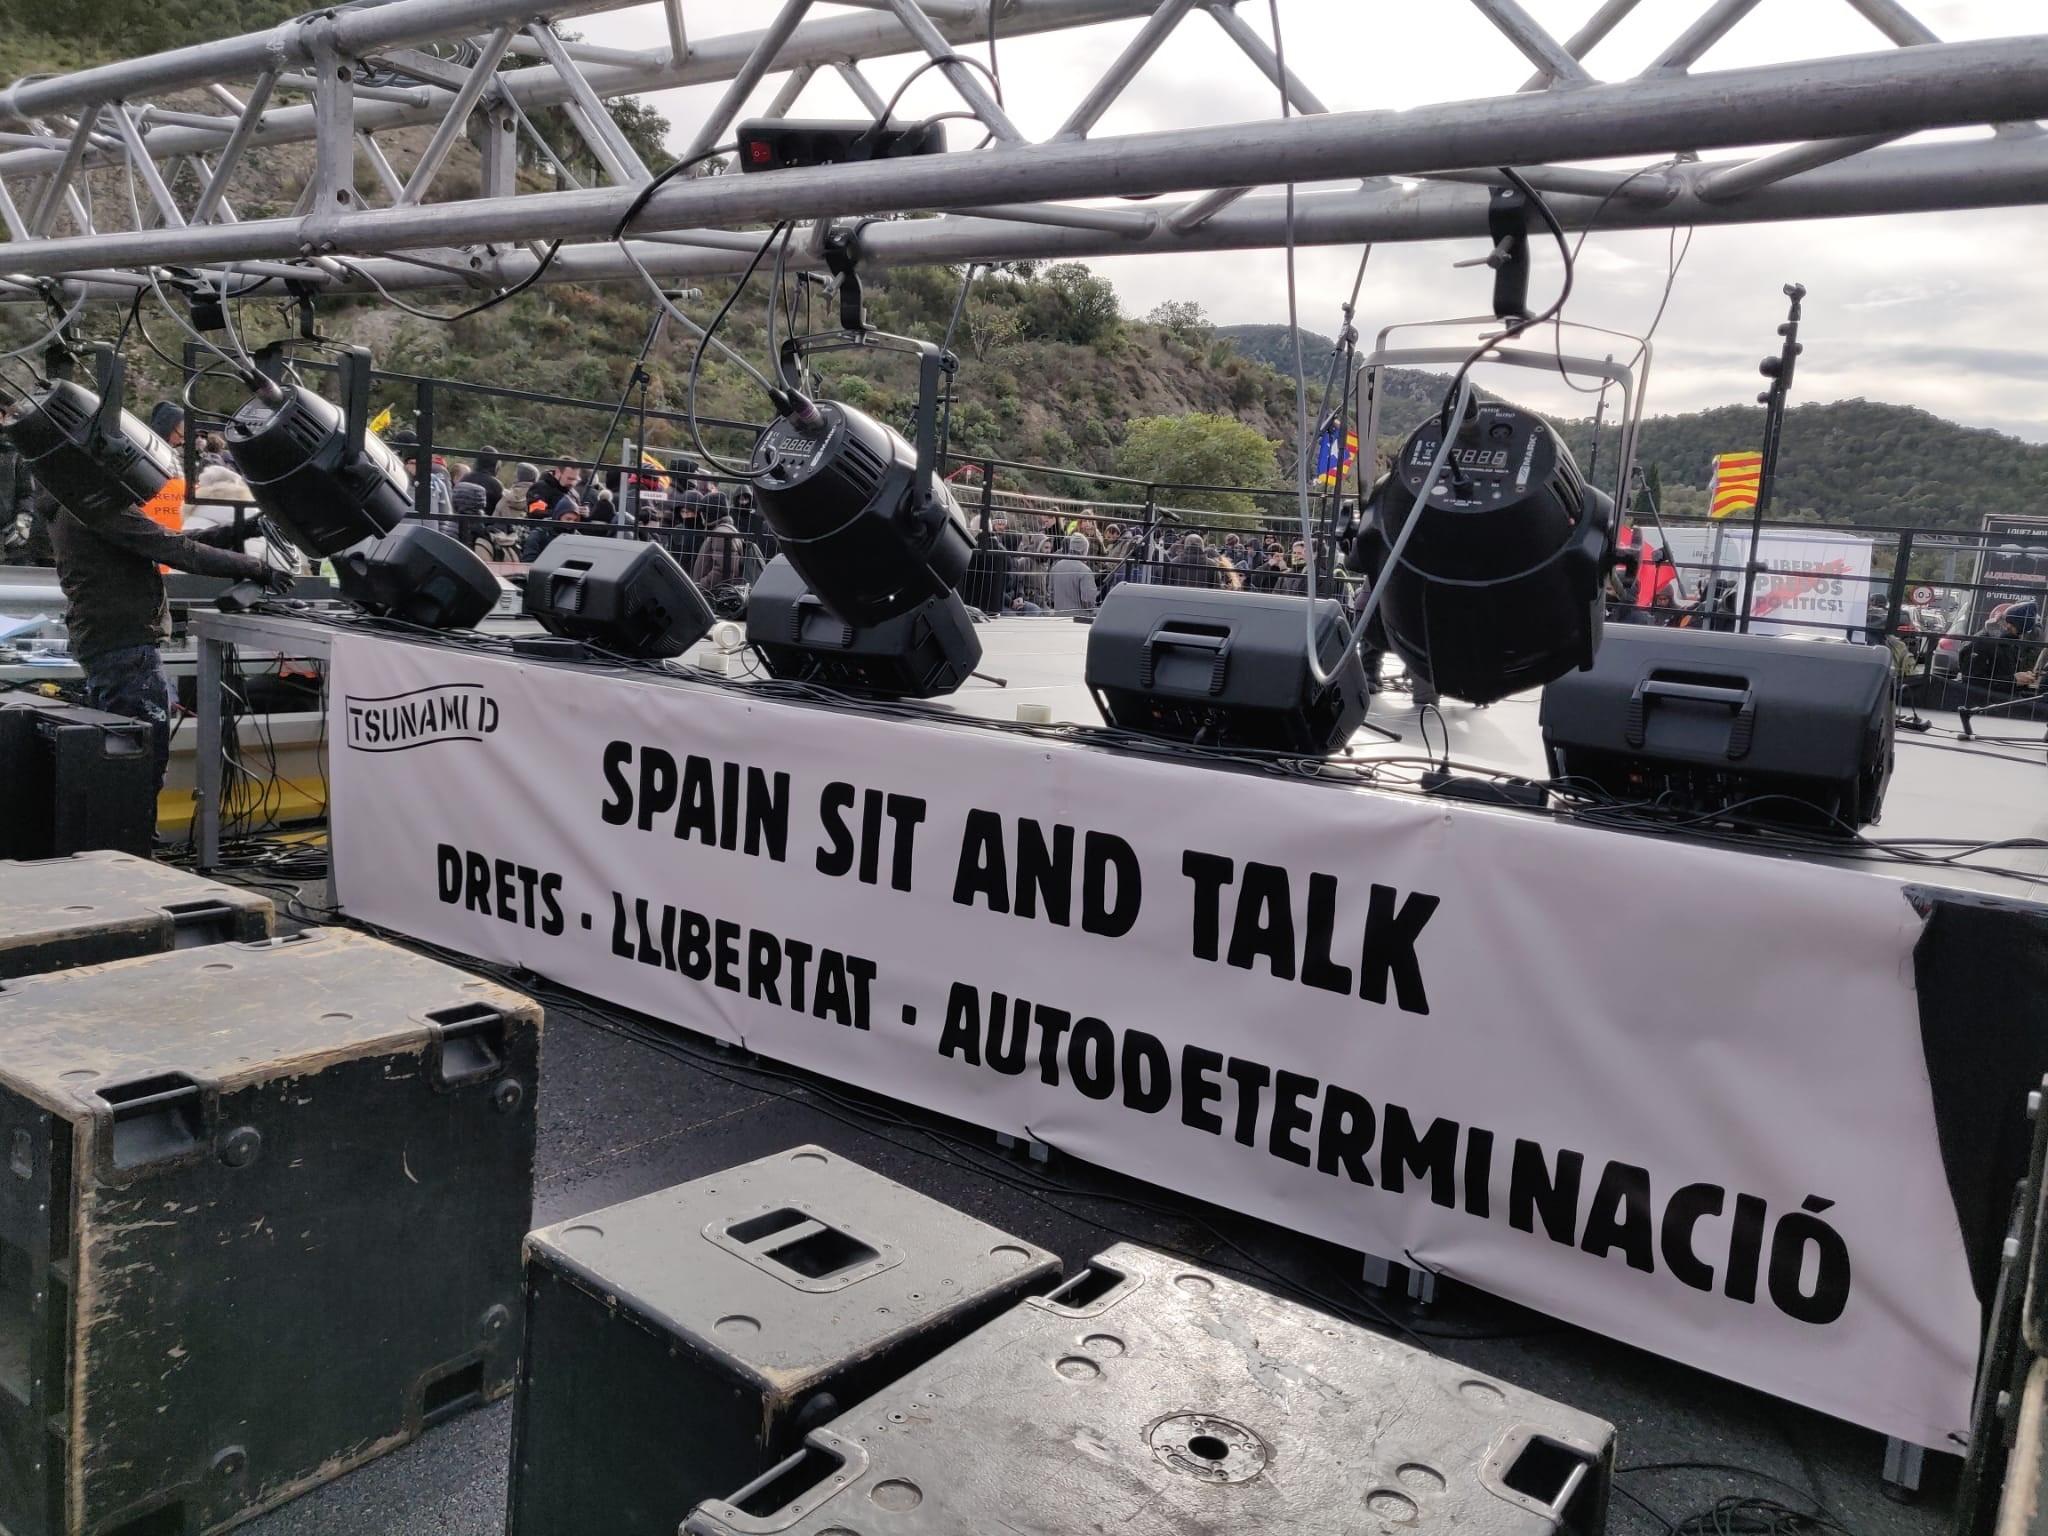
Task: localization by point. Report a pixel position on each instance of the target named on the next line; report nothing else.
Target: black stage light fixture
(632, 598)
(779, 143)
(1224, 668)
(84, 449)
(1499, 586)
(928, 651)
(420, 576)
(872, 531)
(315, 468)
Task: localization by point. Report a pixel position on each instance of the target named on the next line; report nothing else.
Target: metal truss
(351, 82)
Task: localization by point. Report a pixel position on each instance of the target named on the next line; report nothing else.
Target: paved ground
(621, 1116)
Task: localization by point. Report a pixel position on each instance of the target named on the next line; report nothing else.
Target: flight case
(260, 1216)
(678, 1344)
(1152, 1398)
(89, 908)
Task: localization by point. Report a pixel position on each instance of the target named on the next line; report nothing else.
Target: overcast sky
(1940, 311)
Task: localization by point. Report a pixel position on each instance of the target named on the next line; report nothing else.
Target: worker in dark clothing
(118, 613)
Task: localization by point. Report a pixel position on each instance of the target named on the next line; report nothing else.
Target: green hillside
(1843, 461)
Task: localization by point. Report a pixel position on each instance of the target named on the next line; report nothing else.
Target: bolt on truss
(348, 82)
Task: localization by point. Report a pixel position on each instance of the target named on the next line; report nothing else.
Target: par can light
(1499, 586)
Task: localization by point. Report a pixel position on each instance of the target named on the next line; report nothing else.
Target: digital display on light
(1489, 460)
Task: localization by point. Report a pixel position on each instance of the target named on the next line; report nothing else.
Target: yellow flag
(381, 420)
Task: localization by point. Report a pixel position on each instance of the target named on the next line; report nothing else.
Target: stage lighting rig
(316, 469)
(1499, 586)
(84, 449)
(862, 515)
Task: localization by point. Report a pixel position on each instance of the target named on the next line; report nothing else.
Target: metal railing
(1928, 593)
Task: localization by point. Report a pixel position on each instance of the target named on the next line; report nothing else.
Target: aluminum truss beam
(449, 63)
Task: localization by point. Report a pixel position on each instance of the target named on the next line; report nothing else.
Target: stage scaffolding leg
(207, 776)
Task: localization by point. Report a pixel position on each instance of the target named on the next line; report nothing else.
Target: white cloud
(1919, 309)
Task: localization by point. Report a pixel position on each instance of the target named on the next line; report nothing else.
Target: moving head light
(316, 470)
(1499, 587)
(869, 527)
(84, 449)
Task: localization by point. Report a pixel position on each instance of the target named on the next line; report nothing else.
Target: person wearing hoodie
(475, 501)
(1073, 579)
(1992, 655)
(726, 558)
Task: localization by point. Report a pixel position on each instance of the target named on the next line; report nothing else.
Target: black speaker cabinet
(922, 654)
(1782, 732)
(681, 1343)
(630, 597)
(1224, 668)
(89, 908)
(421, 576)
(1148, 1397)
(260, 1216)
(73, 778)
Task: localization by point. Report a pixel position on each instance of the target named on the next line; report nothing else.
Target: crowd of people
(1047, 562)
(718, 537)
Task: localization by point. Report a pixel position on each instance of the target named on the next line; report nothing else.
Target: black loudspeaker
(215, 1157)
(1224, 669)
(73, 779)
(642, 1393)
(930, 650)
(632, 598)
(1792, 733)
(419, 575)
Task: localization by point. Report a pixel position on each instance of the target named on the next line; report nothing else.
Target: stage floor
(629, 1105)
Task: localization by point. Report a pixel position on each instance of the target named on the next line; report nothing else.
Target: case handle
(1735, 694)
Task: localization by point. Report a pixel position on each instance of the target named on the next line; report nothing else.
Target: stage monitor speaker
(419, 575)
(90, 908)
(262, 1224)
(72, 779)
(929, 651)
(1224, 669)
(682, 1343)
(1780, 732)
(628, 597)
(1144, 1397)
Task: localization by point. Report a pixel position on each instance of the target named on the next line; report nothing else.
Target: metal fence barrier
(1935, 597)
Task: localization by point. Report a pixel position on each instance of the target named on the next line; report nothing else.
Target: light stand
(1779, 371)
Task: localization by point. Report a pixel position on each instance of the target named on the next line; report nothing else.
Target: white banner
(1525, 1053)
(1814, 583)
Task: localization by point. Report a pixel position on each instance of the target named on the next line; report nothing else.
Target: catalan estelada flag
(1736, 479)
(1330, 465)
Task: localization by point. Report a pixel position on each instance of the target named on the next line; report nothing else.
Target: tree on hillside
(1199, 449)
(1183, 318)
(1069, 303)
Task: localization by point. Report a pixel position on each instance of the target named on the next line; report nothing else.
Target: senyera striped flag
(1736, 478)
